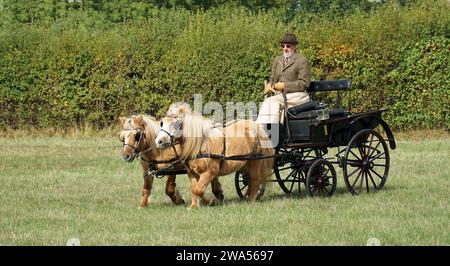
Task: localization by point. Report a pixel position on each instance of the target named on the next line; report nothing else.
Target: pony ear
(122, 119)
(139, 120)
(181, 110)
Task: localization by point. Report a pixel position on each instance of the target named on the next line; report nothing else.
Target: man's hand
(268, 87)
(279, 86)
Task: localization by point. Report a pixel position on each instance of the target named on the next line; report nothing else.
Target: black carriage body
(302, 128)
(335, 131)
(304, 139)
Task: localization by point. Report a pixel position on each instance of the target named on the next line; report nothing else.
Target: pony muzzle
(163, 143)
(128, 158)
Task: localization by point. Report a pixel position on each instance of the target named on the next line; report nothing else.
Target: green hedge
(78, 71)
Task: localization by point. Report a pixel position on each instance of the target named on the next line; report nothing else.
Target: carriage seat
(309, 109)
(311, 105)
(312, 114)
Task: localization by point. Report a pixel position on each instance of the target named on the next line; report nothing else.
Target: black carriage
(310, 130)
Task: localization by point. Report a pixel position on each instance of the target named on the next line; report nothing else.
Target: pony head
(132, 136)
(181, 124)
(171, 130)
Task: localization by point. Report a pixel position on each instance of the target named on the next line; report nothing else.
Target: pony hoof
(141, 207)
(180, 202)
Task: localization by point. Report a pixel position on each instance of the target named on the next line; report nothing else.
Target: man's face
(288, 49)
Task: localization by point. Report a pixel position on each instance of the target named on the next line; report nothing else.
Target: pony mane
(151, 129)
(196, 129)
(150, 125)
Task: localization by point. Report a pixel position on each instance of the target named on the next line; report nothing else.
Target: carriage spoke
(371, 179)
(362, 182)
(289, 175)
(371, 140)
(357, 177)
(353, 172)
(282, 169)
(329, 193)
(377, 157)
(361, 152)
(374, 149)
(367, 182)
(376, 174)
(292, 184)
(356, 156)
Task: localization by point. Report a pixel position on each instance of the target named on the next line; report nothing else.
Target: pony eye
(161, 124)
(137, 136)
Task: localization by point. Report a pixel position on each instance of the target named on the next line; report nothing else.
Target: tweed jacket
(296, 74)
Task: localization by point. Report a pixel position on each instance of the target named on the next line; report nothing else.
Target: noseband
(141, 136)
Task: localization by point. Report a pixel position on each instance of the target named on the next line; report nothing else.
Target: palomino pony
(138, 138)
(204, 146)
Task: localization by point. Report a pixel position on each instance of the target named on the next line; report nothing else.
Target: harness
(222, 157)
(152, 163)
(176, 161)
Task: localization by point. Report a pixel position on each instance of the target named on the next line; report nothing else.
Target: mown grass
(56, 188)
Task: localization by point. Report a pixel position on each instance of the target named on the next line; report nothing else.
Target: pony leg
(146, 190)
(254, 181)
(203, 182)
(217, 190)
(194, 197)
(198, 189)
(172, 191)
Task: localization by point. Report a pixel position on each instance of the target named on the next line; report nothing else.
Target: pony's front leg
(198, 189)
(172, 191)
(194, 196)
(146, 190)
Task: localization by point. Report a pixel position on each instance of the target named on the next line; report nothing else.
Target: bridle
(139, 137)
(172, 136)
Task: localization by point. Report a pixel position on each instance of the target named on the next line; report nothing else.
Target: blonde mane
(150, 125)
(196, 130)
(151, 129)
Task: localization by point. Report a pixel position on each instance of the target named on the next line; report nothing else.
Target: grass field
(55, 189)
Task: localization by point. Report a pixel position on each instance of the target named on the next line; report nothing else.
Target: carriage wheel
(241, 184)
(366, 161)
(290, 170)
(321, 179)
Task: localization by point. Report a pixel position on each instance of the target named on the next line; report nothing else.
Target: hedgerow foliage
(85, 68)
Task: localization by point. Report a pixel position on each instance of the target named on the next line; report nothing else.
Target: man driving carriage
(291, 74)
